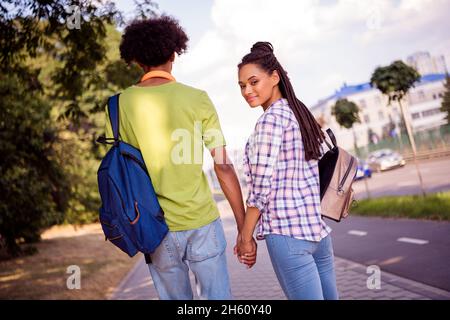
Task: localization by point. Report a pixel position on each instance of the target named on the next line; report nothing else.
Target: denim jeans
(305, 269)
(203, 251)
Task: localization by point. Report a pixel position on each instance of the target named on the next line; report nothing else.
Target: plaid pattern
(282, 184)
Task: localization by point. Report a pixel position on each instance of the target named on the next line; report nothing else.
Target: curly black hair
(152, 42)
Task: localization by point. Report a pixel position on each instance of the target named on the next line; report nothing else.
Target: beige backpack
(337, 170)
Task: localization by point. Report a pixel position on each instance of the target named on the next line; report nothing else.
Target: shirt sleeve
(211, 130)
(264, 153)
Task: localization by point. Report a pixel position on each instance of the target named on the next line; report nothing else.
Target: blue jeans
(203, 251)
(305, 269)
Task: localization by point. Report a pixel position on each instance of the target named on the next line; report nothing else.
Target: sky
(320, 43)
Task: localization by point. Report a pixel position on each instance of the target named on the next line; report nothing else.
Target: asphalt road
(404, 180)
(414, 249)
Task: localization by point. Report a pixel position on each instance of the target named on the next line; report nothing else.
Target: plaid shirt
(282, 184)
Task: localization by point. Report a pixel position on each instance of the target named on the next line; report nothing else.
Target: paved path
(260, 283)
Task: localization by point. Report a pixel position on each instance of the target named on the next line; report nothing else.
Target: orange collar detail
(157, 74)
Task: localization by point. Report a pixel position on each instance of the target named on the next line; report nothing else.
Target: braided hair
(262, 55)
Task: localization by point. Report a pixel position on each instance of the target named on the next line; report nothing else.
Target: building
(425, 64)
(422, 105)
(425, 102)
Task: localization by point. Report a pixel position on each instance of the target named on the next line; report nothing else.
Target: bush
(33, 188)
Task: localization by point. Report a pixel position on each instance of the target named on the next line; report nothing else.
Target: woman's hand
(247, 251)
(245, 243)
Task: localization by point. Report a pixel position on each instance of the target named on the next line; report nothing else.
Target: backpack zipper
(138, 215)
(341, 184)
(114, 238)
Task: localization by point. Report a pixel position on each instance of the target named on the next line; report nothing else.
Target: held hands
(246, 251)
(246, 246)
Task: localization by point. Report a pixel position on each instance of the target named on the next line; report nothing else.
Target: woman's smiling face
(257, 86)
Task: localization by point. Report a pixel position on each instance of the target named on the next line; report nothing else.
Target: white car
(385, 159)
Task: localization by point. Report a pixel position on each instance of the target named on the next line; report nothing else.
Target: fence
(430, 143)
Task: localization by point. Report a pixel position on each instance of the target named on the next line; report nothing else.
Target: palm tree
(395, 81)
(347, 114)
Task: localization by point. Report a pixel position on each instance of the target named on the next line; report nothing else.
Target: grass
(44, 274)
(431, 207)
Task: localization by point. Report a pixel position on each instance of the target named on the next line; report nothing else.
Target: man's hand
(235, 249)
(247, 251)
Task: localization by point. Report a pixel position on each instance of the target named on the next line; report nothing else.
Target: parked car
(364, 170)
(385, 159)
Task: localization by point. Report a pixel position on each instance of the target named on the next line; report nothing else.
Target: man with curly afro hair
(170, 122)
(153, 42)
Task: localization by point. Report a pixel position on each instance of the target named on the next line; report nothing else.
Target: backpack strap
(113, 110)
(327, 143)
(332, 137)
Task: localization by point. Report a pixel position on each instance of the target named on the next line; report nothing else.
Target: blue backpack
(130, 215)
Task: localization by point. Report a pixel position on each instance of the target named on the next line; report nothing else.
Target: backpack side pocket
(115, 235)
(348, 202)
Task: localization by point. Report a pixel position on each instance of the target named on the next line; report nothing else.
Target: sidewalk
(260, 283)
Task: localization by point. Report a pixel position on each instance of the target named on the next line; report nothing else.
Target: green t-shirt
(169, 123)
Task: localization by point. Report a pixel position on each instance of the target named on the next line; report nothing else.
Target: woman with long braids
(281, 168)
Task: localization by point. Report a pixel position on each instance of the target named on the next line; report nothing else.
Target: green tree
(35, 26)
(347, 114)
(53, 81)
(29, 28)
(34, 189)
(445, 106)
(395, 81)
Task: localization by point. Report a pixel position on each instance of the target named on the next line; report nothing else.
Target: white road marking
(412, 240)
(357, 233)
